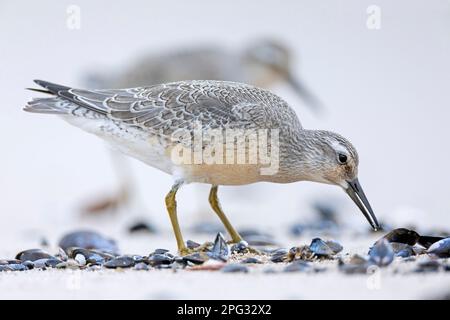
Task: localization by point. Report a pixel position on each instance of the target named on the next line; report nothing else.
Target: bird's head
(334, 160)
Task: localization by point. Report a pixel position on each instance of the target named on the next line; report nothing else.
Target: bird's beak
(311, 100)
(355, 191)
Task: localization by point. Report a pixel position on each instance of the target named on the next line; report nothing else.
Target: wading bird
(142, 122)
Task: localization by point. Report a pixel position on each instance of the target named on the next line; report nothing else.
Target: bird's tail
(52, 105)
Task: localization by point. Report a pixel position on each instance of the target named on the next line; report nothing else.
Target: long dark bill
(356, 192)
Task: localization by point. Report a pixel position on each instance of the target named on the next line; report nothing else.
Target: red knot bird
(263, 63)
(159, 124)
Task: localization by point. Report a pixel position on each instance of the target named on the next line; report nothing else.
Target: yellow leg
(214, 201)
(171, 205)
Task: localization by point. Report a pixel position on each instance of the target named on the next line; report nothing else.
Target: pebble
(159, 259)
(441, 248)
(192, 244)
(220, 250)
(141, 266)
(120, 262)
(251, 260)
(279, 255)
(235, 268)
(381, 253)
(239, 247)
(427, 241)
(297, 266)
(428, 266)
(195, 258)
(402, 235)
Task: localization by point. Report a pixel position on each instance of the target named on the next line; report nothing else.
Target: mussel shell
(195, 258)
(159, 259)
(141, 266)
(239, 247)
(382, 253)
(402, 250)
(279, 255)
(220, 249)
(427, 241)
(92, 257)
(192, 244)
(297, 266)
(234, 268)
(402, 235)
(251, 260)
(33, 255)
(440, 248)
(120, 262)
(428, 266)
(17, 267)
(88, 240)
(321, 248)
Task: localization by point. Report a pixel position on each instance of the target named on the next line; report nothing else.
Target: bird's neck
(298, 158)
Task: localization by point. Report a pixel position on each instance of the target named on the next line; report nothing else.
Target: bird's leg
(171, 205)
(215, 205)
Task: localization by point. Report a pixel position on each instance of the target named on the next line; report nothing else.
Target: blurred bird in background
(263, 63)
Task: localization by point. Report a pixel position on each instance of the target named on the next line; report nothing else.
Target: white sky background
(388, 91)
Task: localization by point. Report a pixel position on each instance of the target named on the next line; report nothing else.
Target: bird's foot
(205, 247)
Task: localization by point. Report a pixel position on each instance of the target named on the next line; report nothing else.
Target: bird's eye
(342, 158)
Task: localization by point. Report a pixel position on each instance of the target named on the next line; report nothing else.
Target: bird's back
(165, 108)
(144, 122)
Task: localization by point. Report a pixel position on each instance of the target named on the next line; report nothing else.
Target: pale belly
(157, 153)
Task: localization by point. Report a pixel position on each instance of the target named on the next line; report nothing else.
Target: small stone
(234, 268)
(427, 241)
(279, 255)
(441, 248)
(192, 244)
(94, 267)
(5, 267)
(402, 250)
(18, 267)
(320, 248)
(72, 264)
(159, 259)
(220, 250)
(195, 258)
(251, 260)
(239, 247)
(52, 263)
(141, 266)
(160, 251)
(297, 266)
(428, 266)
(40, 264)
(29, 264)
(120, 262)
(354, 268)
(62, 254)
(80, 259)
(381, 253)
